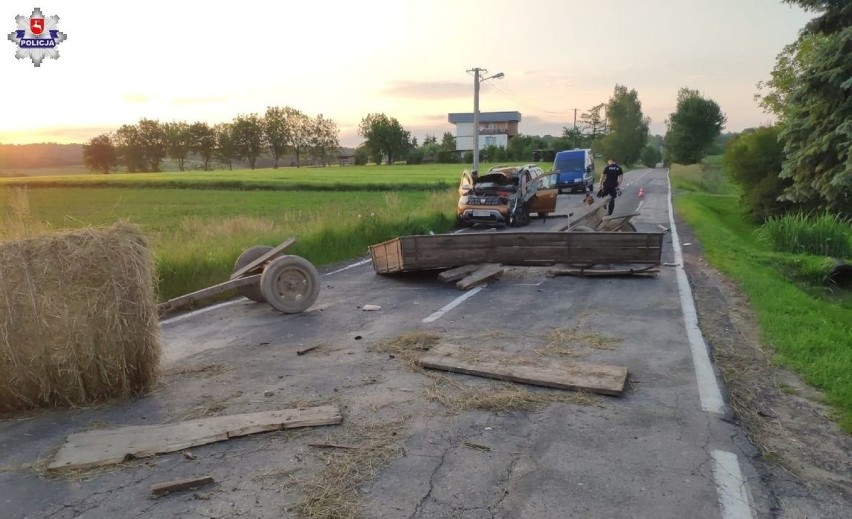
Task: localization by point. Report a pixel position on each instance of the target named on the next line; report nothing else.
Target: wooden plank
(109, 446)
(263, 259)
(161, 489)
(204, 293)
(646, 271)
(547, 372)
(482, 274)
(457, 273)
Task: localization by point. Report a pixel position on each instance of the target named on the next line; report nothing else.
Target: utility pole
(477, 79)
(476, 118)
(575, 128)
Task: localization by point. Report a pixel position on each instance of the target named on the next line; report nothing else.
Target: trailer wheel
(290, 284)
(251, 291)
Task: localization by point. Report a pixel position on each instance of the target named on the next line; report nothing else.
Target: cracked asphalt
(646, 454)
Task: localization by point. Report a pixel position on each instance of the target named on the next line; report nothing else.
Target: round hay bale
(78, 318)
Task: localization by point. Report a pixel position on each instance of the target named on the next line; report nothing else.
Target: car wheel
(521, 219)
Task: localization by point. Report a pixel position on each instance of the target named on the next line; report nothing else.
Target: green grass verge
(808, 327)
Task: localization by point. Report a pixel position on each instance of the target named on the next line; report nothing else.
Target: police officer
(611, 183)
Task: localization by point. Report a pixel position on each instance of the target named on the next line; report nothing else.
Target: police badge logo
(37, 37)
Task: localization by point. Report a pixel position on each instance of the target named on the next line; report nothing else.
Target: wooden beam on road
(539, 371)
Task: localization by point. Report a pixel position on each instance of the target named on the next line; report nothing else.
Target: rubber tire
(290, 284)
(522, 220)
(251, 291)
(582, 228)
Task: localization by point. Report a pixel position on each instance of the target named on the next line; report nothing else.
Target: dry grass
(78, 318)
(570, 342)
(17, 221)
(407, 347)
(209, 370)
(332, 493)
(498, 397)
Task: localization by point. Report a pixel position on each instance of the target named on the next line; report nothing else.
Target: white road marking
(454, 303)
(356, 264)
(733, 492)
(708, 387)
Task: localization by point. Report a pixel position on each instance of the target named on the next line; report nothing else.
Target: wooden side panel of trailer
(424, 252)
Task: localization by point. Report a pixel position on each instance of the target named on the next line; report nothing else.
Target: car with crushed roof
(506, 196)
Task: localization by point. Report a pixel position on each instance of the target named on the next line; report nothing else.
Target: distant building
(495, 129)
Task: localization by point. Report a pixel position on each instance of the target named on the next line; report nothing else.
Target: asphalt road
(664, 449)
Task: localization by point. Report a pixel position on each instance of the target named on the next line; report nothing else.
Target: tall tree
(593, 122)
(248, 138)
(202, 142)
(277, 131)
(226, 150)
(692, 128)
(300, 132)
(129, 149)
(817, 129)
(385, 137)
(448, 142)
(774, 94)
(627, 129)
(100, 154)
(178, 142)
(322, 140)
(153, 139)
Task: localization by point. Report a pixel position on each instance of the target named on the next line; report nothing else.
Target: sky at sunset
(205, 61)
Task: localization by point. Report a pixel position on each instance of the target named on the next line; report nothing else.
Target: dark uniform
(610, 184)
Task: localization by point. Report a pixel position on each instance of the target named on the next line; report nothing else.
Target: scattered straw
(407, 347)
(78, 318)
(569, 342)
(210, 407)
(498, 397)
(209, 370)
(333, 492)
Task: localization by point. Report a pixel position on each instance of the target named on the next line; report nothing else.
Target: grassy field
(335, 178)
(197, 234)
(807, 323)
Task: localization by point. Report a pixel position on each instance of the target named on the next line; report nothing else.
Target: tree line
(803, 162)
(279, 133)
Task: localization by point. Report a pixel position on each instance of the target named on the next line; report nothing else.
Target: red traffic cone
(641, 192)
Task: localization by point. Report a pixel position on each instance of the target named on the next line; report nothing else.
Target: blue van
(574, 170)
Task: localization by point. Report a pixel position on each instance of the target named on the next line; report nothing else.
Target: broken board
(108, 446)
(457, 273)
(481, 275)
(596, 378)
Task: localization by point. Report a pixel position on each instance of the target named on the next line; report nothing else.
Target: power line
(514, 97)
